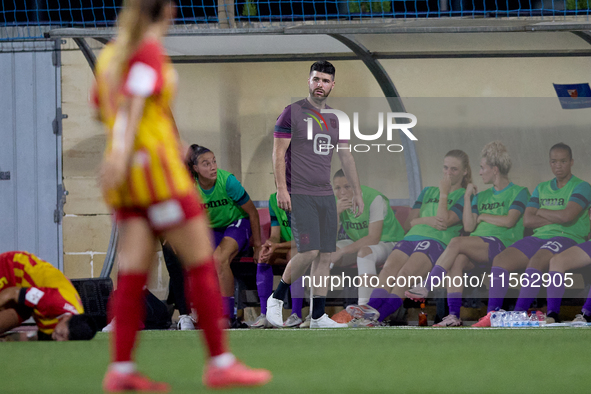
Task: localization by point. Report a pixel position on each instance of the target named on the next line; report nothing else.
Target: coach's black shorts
(314, 222)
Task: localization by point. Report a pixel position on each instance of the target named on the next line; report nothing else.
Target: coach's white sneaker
(275, 311)
(186, 323)
(326, 322)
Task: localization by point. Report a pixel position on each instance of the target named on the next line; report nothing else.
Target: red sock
(129, 311)
(205, 296)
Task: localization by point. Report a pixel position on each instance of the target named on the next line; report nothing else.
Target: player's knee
(454, 244)
(556, 263)
(502, 262)
(540, 264)
(311, 254)
(364, 252)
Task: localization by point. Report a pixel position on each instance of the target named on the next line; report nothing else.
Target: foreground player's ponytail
(463, 157)
(133, 22)
(193, 158)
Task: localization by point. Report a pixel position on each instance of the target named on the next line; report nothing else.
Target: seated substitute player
(573, 258)
(432, 226)
(494, 219)
(278, 246)
(372, 235)
(29, 287)
(232, 215)
(557, 211)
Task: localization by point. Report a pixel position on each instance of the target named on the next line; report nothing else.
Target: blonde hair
(134, 20)
(463, 157)
(496, 155)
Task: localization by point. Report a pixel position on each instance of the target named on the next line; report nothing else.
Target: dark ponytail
(193, 157)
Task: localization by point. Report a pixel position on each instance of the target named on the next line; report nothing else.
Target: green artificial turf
(326, 361)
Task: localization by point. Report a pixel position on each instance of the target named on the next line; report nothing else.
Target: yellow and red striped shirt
(157, 171)
(50, 294)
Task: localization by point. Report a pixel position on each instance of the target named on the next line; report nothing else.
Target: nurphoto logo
(322, 143)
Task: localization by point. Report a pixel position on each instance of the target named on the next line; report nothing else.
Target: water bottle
(533, 320)
(495, 319)
(505, 319)
(422, 319)
(514, 319)
(522, 319)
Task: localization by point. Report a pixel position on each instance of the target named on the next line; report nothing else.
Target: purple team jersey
(307, 161)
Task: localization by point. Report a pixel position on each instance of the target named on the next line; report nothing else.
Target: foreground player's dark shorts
(314, 222)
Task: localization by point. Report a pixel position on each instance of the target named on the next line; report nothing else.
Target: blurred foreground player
(145, 181)
(29, 287)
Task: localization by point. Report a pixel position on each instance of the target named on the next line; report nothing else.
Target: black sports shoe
(238, 324)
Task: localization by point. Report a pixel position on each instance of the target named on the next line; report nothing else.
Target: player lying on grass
(29, 287)
(432, 226)
(494, 219)
(557, 211)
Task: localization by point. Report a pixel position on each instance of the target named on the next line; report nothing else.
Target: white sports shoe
(363, 312)
(579, 320)
(306, 323)
(261, 322)
(358, 323)
(275, 311)
(449, 321)
(186, 323)
(326, 322)
(417, 293)
(292, 321)
(109, 327)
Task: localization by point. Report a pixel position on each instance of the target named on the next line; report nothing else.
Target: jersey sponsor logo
(551, 202)
(356, 226)
(34, 295)
(3, 281)
(216, 203)
(491, 206)
(435, 200)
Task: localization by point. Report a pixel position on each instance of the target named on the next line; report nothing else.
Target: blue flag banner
(574, 96)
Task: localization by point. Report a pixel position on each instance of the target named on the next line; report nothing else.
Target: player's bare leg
(136, 250)
(193, 245)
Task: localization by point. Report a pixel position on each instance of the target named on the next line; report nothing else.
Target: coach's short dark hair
(563, 146)
(323, 66)
(82, 328)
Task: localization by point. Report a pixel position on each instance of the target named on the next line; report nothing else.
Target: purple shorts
(495, 246)
(430, 247)
(530, 245)
(239, 231)
(585, 247)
